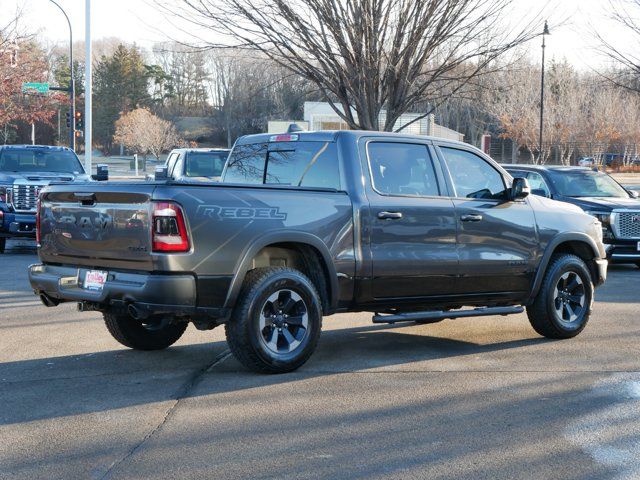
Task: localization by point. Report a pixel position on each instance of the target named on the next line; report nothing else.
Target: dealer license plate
(95, 280)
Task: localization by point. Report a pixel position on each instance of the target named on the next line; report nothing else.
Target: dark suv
(24, 171)
(617, 208)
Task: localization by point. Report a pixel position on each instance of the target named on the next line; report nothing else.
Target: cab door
(497, 239)
(413, 227)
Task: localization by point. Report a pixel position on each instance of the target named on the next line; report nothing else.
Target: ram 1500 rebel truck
(306, 225)
(24, 171)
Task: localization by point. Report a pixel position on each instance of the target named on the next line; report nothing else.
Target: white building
(320, 116)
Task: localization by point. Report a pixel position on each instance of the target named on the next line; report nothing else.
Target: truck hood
(602, 203)
(40, 177)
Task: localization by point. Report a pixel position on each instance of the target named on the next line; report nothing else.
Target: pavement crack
(183, 392)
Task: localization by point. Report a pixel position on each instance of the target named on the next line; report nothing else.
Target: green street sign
(35, 87)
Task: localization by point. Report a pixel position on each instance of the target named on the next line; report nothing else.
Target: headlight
(4, 193)
(604, 217)
(605, 220)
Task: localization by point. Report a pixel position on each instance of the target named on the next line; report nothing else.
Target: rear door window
(402, 169)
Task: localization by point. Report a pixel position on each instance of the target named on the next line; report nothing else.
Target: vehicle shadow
(122, 378)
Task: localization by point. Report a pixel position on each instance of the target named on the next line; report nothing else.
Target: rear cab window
(296, 164)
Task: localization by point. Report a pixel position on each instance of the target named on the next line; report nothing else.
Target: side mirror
(633, 193)
(102, 173)
(161, 172)
(520, 189)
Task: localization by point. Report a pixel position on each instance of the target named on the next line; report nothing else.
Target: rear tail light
(168, 229)
(38, 222)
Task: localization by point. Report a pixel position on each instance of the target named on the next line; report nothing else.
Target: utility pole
(72, 83)
(87, 88)
(545, 32)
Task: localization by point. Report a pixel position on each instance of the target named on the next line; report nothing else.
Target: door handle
(389, 215)
(474, 217)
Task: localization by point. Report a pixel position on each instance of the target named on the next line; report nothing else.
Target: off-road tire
(245, 338)
(3, 244)
(542, 313)
(134, 334)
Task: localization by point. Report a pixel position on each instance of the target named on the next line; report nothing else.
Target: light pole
(545, 32)
(72, 83)
(88, 74)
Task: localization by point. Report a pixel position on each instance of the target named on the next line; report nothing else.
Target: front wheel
(3, 244)
(276, 323)
(563, 305)
(154, 333)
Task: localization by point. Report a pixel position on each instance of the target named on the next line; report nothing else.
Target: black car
(24, 171)
(617, 208)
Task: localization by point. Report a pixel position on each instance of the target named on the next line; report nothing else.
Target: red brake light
(285, 137)
(38, 222)
(168, 229)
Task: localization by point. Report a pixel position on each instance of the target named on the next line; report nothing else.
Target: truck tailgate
(94, 226)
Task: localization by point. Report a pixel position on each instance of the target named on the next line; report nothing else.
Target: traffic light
(68, 119)
(79, 121)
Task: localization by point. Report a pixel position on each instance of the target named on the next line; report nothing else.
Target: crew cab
(598, 194)
(24, 171)
(308, 224)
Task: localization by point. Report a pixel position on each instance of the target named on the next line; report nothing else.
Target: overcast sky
(138, 21)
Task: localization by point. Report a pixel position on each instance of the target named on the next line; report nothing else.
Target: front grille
(627, 225)
(24, 198)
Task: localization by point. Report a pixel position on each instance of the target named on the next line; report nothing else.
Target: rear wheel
(3, 244)
(276, 323)
(154, 333)
(563, 305)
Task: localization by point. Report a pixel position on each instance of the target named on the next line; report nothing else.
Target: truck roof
(333, 135)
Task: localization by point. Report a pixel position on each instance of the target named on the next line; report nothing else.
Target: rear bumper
(17, 225)
(151, 294)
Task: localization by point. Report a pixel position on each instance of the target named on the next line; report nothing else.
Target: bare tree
(626, 14)
(143, 132)
(365, 55)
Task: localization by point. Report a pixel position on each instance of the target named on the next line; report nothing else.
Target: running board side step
(442, 315)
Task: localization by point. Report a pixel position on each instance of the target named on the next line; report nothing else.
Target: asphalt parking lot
(474, 398)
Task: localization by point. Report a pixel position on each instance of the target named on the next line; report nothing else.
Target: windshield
(34, 160)
(205, 164)
(587, 183)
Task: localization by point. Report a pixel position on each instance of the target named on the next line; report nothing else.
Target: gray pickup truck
(305, 225)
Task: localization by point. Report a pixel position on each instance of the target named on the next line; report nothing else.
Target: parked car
(587, 162)
(188, 164)
(597, 194)
(24, 171)
(305, 225)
